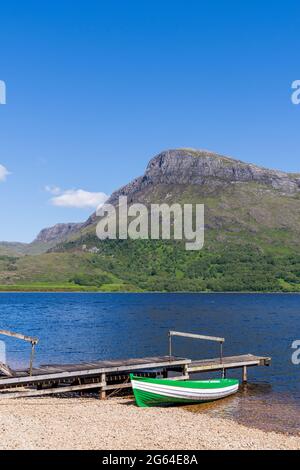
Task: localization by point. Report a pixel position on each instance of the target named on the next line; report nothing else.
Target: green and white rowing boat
(152, 392)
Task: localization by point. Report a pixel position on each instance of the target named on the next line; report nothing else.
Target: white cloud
(79, 199)
(3, 173)
(55, 190)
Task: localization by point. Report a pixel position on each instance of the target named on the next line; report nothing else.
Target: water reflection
(87, 327)
(257, 406)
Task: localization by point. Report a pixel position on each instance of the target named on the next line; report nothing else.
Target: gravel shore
(88, 423)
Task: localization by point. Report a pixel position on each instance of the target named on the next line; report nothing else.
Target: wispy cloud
(77, 198)
(53, 189)
(3, 173)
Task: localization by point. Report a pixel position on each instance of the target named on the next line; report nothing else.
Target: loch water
(74, 327)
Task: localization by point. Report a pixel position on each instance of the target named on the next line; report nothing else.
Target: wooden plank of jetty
(6, 370)
(72, 371)
(73, 388)
(232, 362)
(114, 375)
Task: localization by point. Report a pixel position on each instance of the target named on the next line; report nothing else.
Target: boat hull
(154, 392)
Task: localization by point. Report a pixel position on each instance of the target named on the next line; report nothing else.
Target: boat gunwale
(192, 384)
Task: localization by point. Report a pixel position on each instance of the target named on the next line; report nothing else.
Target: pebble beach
(117, 424)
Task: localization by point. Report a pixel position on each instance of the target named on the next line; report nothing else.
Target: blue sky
(95, 89)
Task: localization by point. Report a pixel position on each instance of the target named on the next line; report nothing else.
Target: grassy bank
(154, 266)
(66, 288)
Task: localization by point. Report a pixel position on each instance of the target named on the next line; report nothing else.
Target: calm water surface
(83, 327)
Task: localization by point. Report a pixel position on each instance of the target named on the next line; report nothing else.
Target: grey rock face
(196, 167)
(187, 167)
(57, 232)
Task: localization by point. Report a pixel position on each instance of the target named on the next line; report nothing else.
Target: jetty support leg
(103, 383)
(245, 377)
(186, 371)
(31, 358)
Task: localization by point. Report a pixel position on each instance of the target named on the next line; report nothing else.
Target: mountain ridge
(194, 166)
(252, 235)
(57, 232)
(181, 166)
(170, 167)
(162, 170)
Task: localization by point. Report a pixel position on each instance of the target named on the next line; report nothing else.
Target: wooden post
(29, 339)
(195, 336)
(170, 345)
(31, 358)
(103, 383)
(245, 378)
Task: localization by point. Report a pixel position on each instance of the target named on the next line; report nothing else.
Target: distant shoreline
(145, 292)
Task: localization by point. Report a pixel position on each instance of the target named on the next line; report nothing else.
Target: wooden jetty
(233, 362)
(113, 375)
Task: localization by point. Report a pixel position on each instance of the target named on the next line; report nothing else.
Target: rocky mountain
(199, 167)
(252, 234)
(238, 196)
(46, 239)
(57, 233)
(170, 173)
